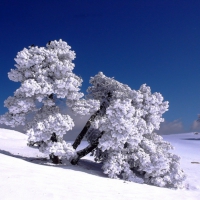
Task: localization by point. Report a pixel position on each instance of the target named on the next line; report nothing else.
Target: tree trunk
(55, 159)
(81, 135)
(85, 129)
(86, 151)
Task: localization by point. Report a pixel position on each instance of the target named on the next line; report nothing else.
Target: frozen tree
(45, 74)
(123, 135)
(103, 90)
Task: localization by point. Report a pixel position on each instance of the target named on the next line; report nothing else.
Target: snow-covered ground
(26, 174)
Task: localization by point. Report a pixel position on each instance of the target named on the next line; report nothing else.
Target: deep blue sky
(136, 41)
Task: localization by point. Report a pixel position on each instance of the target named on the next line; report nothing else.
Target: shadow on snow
(84, 165)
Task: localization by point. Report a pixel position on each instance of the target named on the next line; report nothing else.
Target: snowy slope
(26, 174)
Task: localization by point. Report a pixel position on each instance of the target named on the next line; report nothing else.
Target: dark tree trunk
(81, 135)
(55, 159)
(84, 130)
(86, 151)
(54, 138)
(51, 96)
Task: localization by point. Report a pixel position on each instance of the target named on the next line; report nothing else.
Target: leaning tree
(120, 131)
(103, 90)
(46, 75)
(121, 134)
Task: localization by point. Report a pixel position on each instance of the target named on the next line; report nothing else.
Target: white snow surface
(26, 174)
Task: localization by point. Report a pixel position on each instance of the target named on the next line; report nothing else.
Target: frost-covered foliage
(129, 147)
(102, 86)
(46, 74)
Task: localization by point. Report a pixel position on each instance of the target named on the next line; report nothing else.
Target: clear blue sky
(136, 41)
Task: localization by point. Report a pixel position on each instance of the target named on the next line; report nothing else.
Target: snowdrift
(25, 173)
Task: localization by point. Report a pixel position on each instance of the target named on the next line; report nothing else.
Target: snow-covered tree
(103, 89)
(46, 75)
(123, 137)
(120, 131)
